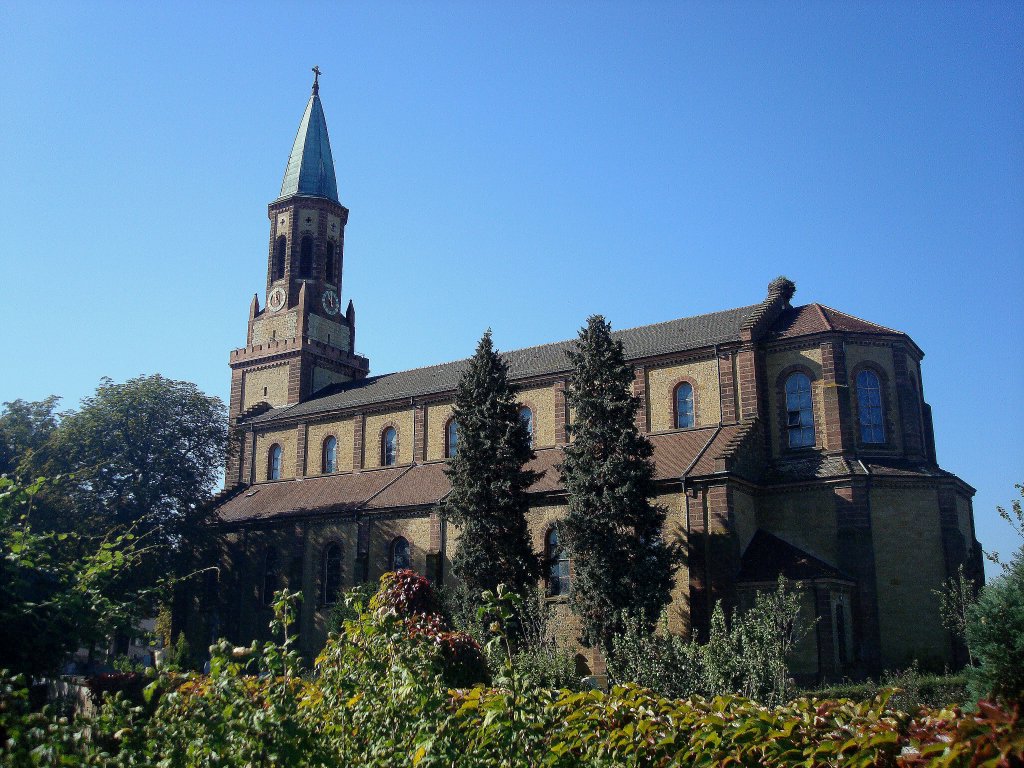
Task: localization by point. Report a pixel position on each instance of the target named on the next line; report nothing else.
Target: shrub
(913, 690)
(745, 656)
(995, 634)
(377, 697)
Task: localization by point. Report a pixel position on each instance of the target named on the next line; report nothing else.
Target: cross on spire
(316, 80)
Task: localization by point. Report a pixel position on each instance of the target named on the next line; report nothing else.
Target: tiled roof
(330, 493)
(426, 484)
(767, 556)
(646, 341)
(817, 318)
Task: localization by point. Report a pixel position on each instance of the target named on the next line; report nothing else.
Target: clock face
(330, 301)
(276, 299)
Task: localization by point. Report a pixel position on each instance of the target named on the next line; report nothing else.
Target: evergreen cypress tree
(612, 531)
(488, 500)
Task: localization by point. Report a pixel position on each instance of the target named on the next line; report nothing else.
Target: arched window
(331, 577)
(869, 407)
(558, 564)
(389, 447)
(799, 411)
(398, 554)
(279, 250)
(274, 462)
(451, 438)
(306, 257)
(270, 585)
(330, 455)
(684, 405)
(330, 274)
(526, 419)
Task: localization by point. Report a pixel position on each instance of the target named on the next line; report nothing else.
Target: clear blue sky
(521, 166)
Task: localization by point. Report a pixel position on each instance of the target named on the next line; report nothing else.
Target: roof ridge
(824, 317)
(860, 319)
(555, 343)
(387, 485)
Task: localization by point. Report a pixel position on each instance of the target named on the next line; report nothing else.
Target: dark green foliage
(25, 429)
(913, 690)
(377, 698)
(488, 500)
(146, 453)
(613, 533)
(995, 634)
(747, 655)
(55, 598)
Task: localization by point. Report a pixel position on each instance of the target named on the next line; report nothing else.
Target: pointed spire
(310, 169)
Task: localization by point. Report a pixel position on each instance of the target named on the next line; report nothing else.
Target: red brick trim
(419, 428)
(910, 401)
(561, 411)
(300, 450)
(643, 423)
(675, 402)
(358, 433)
(780, 397)
(746, 378)
(835, 396)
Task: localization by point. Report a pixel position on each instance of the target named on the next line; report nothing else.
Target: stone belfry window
(280, 246)
(330, 263)
(306, 257)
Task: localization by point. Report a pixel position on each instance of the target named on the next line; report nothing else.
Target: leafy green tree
(25, 429)
(147, 454)
(613, 532)
(488, 500)
(956, 597)
(995, 623)
(55, 598)
(995, 635)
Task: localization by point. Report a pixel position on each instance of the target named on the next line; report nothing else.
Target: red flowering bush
(410, 597)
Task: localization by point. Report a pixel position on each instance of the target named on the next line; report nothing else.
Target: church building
(788, 439)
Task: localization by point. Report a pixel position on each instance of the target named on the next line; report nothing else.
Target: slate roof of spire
(310, 169)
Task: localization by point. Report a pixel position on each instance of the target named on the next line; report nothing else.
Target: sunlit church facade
(788, 439)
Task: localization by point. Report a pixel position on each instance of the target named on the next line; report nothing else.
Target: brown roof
(683, 334)
(330, 493)
(817, 318)
(426, 484)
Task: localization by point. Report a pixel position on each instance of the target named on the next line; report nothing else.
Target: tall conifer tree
(488, 499)
(612, 531)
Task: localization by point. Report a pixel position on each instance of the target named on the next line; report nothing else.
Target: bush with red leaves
(409, 596)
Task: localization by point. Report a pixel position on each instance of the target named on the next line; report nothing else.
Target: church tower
(300, 341)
